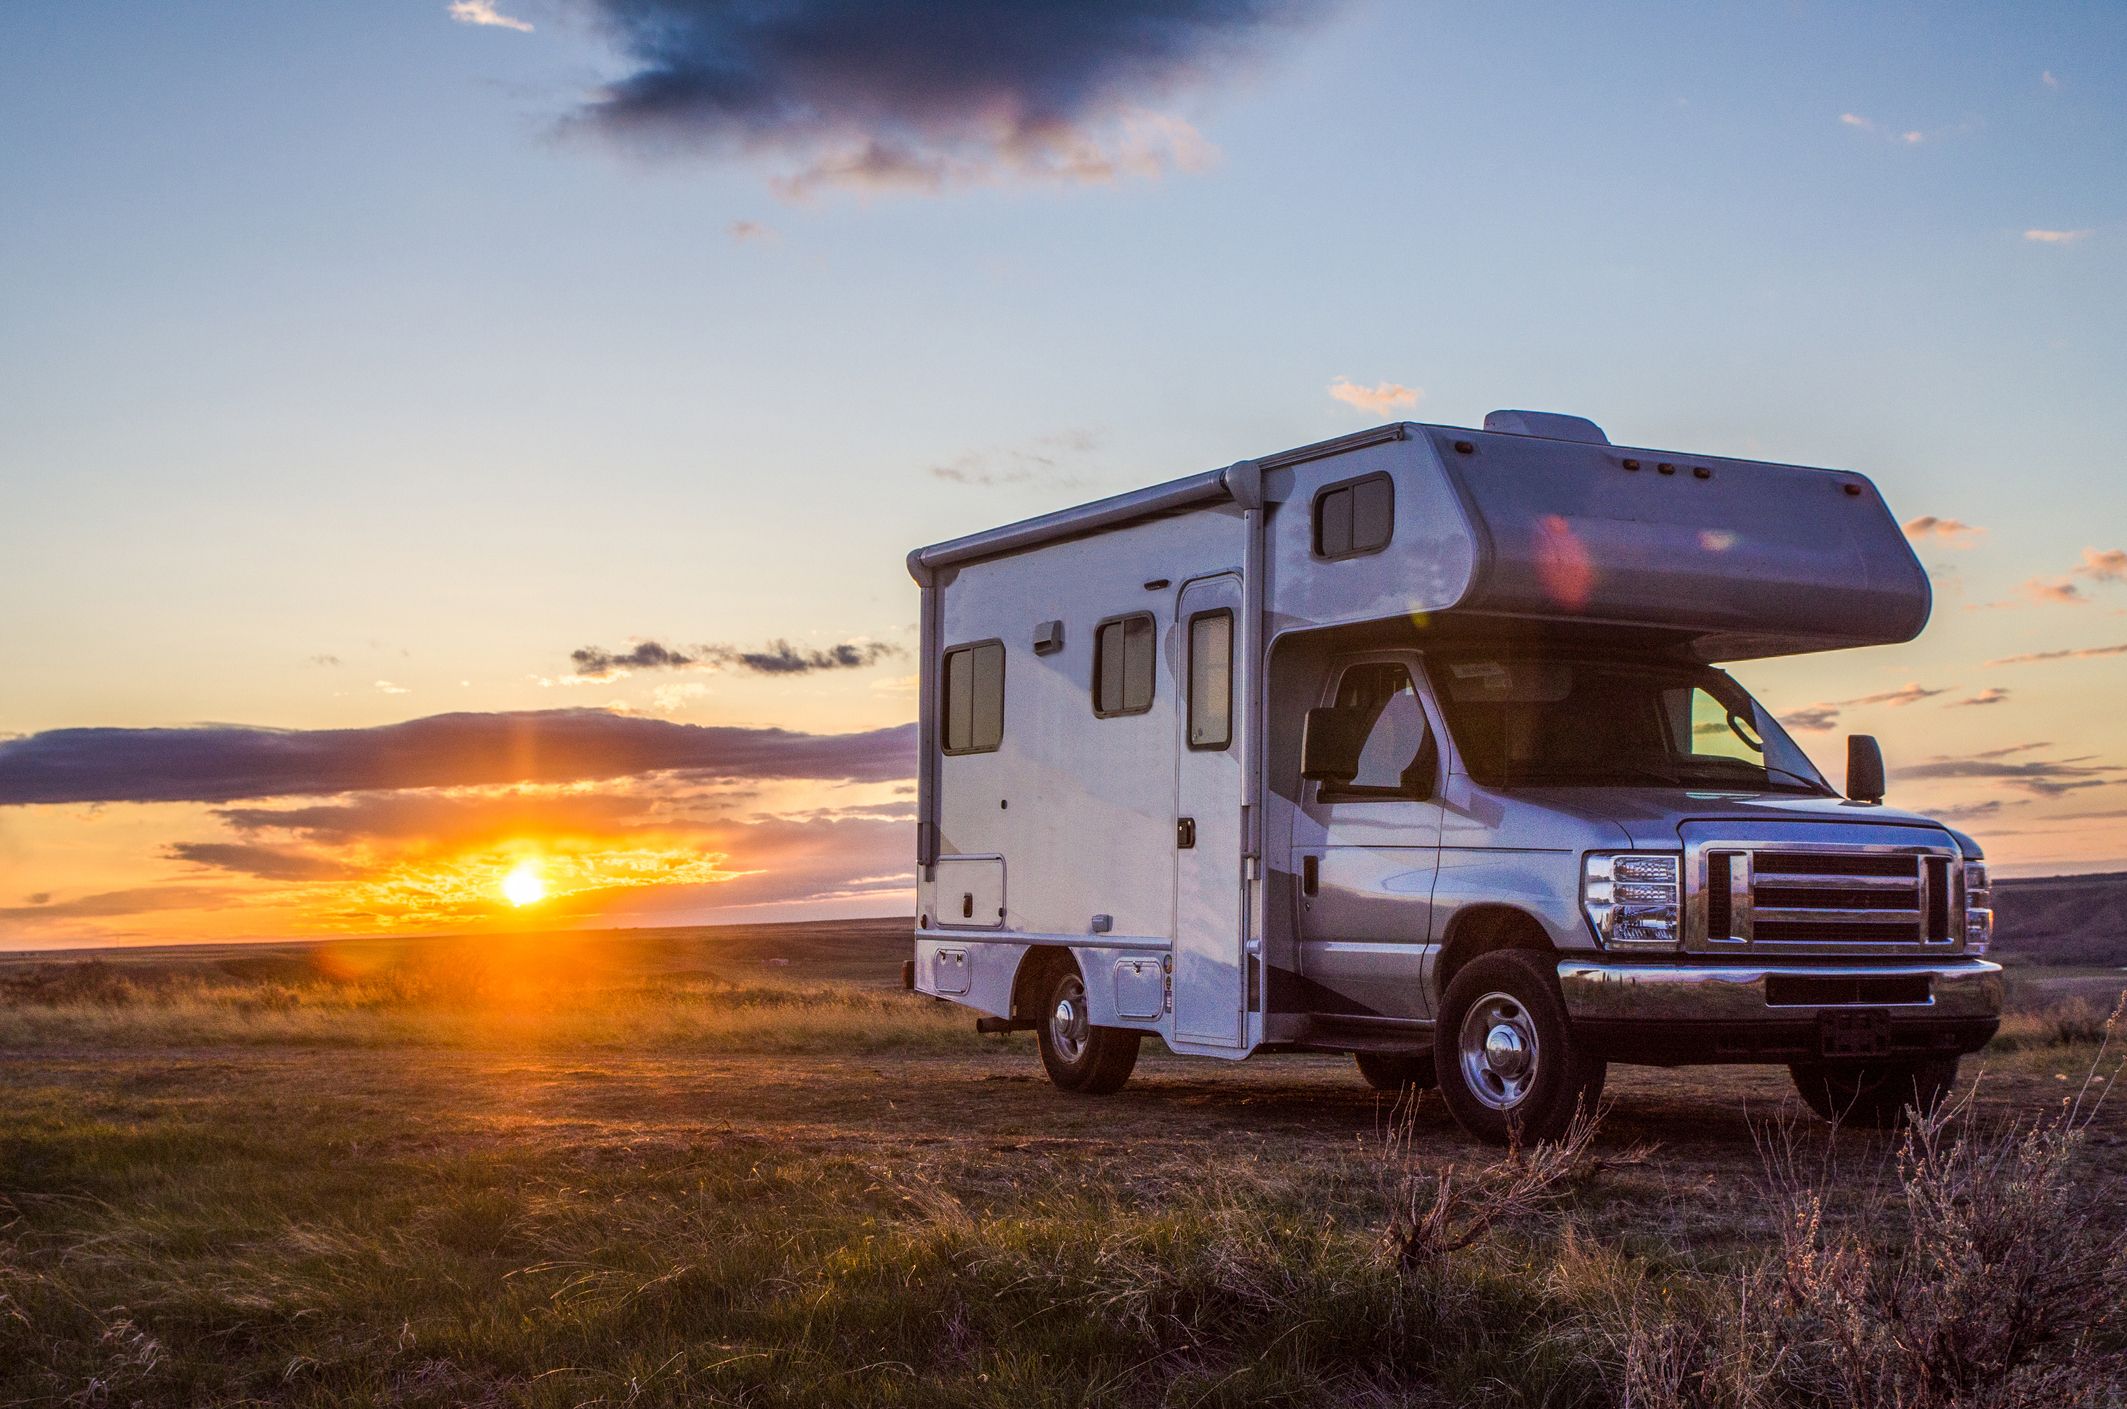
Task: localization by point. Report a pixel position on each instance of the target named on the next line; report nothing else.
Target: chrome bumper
(1637, 992)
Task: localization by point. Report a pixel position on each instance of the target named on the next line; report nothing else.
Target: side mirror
(1330, 745)
(1864, 768)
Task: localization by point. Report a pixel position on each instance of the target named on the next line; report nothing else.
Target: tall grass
(91, 1005)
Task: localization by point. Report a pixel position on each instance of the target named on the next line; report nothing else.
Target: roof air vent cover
(1548, 424)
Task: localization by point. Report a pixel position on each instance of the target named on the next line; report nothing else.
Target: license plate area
(1854, 1032)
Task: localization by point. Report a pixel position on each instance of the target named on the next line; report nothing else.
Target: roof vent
(1548, 424)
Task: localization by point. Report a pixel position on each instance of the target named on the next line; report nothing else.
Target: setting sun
(524, 885)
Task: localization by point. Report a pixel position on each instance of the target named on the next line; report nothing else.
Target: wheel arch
(1482, 929)
(1038, 968)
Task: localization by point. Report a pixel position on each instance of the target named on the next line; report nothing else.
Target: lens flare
(524, 885)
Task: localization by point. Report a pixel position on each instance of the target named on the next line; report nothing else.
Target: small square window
(973, 702)
(1358, 516)
(1122, 666)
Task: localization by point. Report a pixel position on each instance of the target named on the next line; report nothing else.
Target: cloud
(2043, 777)
(2079, 653)
(483, 12)
(745, 230)
(1909, 137)
(2104, 565)
(1910, 693)
(265, 862)
(385, 687)
(431, 819)
(1380, 399)
(223, 763)
(1954, 533)
(322, 660)
(782, 658)
(2047, 80)
(2058, 591)
(1042, 463)
(2057, 237)
(1815, 718)
(778, 657)
(1991, 695)
(39, 897)
(599, 664)
(852, 94)
(138, 900)
(1974, 811)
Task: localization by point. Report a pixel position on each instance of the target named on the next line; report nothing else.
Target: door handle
(1310, 875)
(1184, 833)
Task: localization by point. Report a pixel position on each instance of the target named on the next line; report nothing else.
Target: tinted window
(1211, 680)
(974, 698)
(1395, 760)
(1560, 722)
(1356, 517)
(1122, 666)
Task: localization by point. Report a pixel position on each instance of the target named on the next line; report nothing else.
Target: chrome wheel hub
(1498, 1050)
(1068, 1028)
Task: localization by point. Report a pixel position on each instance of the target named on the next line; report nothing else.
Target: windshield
(1557, 722)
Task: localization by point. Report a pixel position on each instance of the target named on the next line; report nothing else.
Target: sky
(453, 449)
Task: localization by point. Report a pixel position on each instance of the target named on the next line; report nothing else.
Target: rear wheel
(1874, 1094)
(1509, 1068)
(1078, 1056)
(1392, 1071)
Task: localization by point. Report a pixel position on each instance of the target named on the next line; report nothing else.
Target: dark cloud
(1815, 717)
(2041, 776)
(446, 820)
(140, 900)
(782, 658)
(643, 655)
(225, 763)
(778, 657)
(920, 94)
(2081, 653)
(39, 897)
(265, 862)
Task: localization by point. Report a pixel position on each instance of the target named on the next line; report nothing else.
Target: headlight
(1633, 899)
(1979, 908)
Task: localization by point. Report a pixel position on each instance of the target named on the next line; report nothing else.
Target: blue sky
(324, 334)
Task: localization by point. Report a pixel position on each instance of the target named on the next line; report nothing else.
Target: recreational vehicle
(1415, 745)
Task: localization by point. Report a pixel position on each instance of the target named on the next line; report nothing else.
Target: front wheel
(1874, 1094)
(1509, 1068)
(1078, 1056)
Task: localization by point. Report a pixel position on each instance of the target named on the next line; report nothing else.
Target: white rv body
(1169, 873)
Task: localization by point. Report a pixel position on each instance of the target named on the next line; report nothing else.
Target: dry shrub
(1436, 1213)
(1978, 1271)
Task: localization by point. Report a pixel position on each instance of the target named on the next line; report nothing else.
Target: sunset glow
(524, 885)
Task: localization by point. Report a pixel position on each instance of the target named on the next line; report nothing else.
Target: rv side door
(1368, 849)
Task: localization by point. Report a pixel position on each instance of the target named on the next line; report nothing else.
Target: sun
(524, 885)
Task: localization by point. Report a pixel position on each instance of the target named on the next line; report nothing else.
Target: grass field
(663, 1168)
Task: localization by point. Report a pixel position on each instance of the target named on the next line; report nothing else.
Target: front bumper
(1686, 1012)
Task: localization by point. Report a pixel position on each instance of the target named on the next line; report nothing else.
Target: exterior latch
(1185, 832)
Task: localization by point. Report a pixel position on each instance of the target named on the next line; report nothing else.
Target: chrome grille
(1774, 897)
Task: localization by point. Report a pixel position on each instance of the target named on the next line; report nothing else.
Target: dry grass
(519, 1186)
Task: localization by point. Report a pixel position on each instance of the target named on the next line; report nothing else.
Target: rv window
(1122, 666)
(1358, 516)
(974, 698)
(1211, 680)
(1398, 758)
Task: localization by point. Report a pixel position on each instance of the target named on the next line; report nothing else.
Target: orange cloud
(2057, 237)
(1953, 533)
(1380, 399)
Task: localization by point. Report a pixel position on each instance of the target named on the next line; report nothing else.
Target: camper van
(1415, 744)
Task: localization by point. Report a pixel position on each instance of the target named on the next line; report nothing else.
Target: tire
(1876, 1095)
(1392, 1071)
(1509, 1068)
(1091, 1061)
